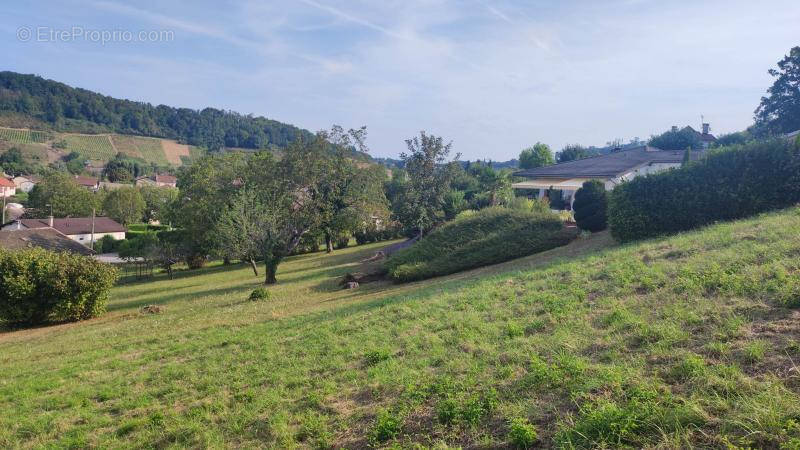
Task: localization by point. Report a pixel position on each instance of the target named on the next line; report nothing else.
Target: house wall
(644, 170)
(26, 186)
(7, 192)
(86, 239)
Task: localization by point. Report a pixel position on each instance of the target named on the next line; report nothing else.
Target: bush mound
(590, 206)
(259, 294)
(488, 236)
(730, 183)
(38, 286)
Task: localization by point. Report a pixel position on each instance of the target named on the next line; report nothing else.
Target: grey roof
(77, 225)
(608, 166)
(46, 238)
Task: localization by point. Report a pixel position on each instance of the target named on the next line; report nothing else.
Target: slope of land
(675, 342)
(48, 146)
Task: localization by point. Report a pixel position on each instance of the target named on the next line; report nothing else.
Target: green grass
(488, 236)
(676, 342)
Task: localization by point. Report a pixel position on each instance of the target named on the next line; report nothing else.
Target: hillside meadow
(691, 340)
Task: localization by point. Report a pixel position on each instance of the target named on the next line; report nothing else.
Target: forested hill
(78, 110)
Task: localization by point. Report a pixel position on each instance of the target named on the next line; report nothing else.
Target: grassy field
(692, 340)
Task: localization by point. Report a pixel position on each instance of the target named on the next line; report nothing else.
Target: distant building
(158, 180)
(25, 183)
(90, 183)
(7, 187)
(611, 169)
(46, 238)
(76, 228)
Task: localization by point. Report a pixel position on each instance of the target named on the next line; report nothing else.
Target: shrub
(387, 426)
(590, 206)
(489, 236)
(38, 286)
(259, 294)
(373, 357)
(107, 244)
(730, 183)
(341, 241)
(521, 433)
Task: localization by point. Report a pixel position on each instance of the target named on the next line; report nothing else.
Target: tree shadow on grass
(170, 298)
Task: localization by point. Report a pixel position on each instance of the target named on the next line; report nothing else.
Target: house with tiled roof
(90, 183)
(158, 180)
(7, 187)
(46, 238)
(80, 229)
(611, 169)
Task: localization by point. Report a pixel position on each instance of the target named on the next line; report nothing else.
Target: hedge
(730, 183)
(38, 286)
(488, 236)
(591, 206)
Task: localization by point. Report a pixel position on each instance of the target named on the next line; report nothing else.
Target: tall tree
(349, 192)
(158, 200)
(537, 156)
(682, 139)
(573, 152)
(779, 112)
(206, 188)
(429, 177)
(59, 193)
(125, 205)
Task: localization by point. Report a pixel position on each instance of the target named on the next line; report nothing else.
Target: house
(793, 135)
(76, 228)
(7, 187)
(90, 183)
(25, 183)
(158, 180)
(611, 169)
(46, 238)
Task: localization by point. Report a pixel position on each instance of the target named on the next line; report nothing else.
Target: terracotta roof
(5, 182)
(86, 181)
(77, 225)
(607, 166)
(46, 238)
(166, 179)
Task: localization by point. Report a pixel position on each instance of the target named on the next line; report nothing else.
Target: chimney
(50, 221)
(674, 128)
(706, 128)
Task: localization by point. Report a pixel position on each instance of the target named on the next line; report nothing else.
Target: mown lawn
(692, 340)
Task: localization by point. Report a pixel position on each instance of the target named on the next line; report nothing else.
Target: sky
(492, 76)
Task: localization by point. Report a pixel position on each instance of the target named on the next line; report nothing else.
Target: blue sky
(492, 76)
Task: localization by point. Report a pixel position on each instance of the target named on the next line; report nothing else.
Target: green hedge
(591, 206)
(38, 286)
(730, 183)
(486, 237)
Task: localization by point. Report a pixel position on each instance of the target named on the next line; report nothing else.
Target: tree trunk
(271, 268)
(253, 265)
(328, 243)
(226, 261)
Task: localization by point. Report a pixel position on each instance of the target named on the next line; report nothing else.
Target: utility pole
(92, 228)
(4, 206)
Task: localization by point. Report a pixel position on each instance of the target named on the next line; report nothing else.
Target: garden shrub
(730, 183)
(521, 433)
(107, 244)
(38, 286)
(260, 294)
(590, 206)
(488, 236)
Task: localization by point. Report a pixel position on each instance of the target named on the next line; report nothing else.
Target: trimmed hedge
(590, 206)
(38, 286)
(489, 236)
(731, 183)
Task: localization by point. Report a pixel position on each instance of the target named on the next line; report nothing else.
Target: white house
(611, 169)
(7, 188)
(25, 183)
(76, 228)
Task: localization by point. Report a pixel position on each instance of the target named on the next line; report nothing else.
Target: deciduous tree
(537, 156)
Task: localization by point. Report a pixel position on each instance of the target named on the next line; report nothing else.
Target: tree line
(66, 108)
